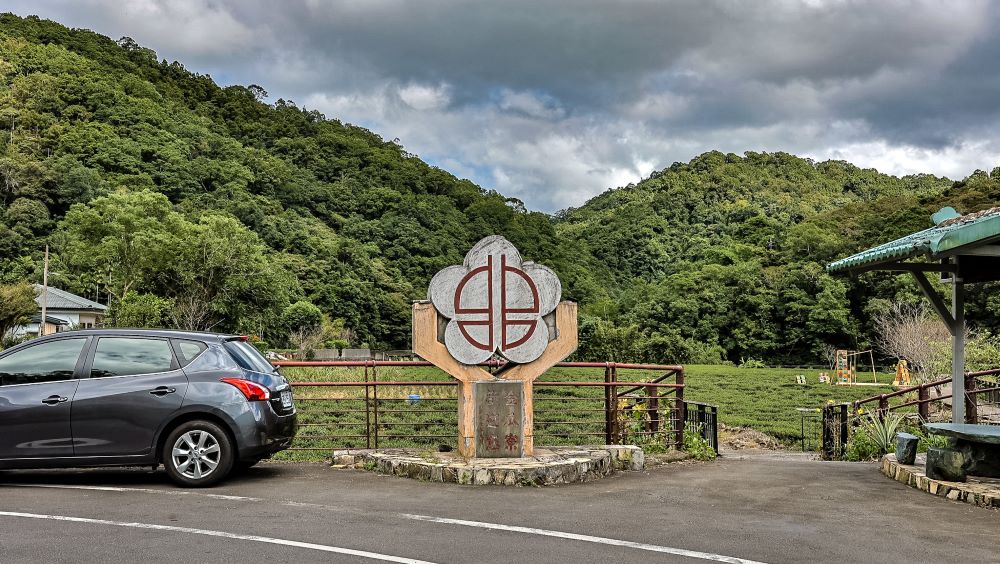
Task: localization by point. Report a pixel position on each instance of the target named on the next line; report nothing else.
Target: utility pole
(45, 292)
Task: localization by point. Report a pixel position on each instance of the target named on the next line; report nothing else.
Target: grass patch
(765, 398)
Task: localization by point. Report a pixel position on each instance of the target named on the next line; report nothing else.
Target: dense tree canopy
(729, 251)
(183, 203)
(148, 178)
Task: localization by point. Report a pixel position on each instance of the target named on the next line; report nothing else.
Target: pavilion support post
(955, 320)
(958, 351)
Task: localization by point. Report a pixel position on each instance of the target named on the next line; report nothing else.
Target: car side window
(44, 362)
(187, 350)
(130, 356)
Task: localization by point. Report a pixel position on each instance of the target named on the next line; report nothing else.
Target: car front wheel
(198, 454)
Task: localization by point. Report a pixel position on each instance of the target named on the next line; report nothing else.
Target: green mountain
(333, 214)
(183, 203)
(724, 257)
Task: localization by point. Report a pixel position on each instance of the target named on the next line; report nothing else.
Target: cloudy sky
(554, 101)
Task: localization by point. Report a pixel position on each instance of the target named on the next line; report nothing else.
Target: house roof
(61, 299)
(952, 234)
(37, 318)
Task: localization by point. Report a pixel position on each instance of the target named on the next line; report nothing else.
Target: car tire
(198, 454)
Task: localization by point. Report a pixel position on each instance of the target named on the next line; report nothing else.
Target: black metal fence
(835, 431)
(703, 419)
(810, 429)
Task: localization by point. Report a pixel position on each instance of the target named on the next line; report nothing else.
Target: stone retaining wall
(984, 492)
(549, 466)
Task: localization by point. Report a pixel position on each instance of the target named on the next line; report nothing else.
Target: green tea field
(766, 399)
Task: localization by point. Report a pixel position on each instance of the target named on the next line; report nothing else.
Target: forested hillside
(183, 203)
(724, 256)
(148, 179)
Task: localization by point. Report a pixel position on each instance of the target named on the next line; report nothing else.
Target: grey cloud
(554, 101)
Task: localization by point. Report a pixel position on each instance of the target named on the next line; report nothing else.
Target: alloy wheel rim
(196, 454)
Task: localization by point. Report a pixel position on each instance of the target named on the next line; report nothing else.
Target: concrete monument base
(548, 466)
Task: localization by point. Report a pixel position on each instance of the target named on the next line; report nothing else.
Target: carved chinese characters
(500, 413)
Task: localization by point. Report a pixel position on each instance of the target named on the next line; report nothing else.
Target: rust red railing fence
(978, 389)
(982, 405)
(640, 403)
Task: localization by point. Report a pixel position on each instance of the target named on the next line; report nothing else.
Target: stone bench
(977, 447)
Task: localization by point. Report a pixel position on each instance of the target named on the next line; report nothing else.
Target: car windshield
(248, 357)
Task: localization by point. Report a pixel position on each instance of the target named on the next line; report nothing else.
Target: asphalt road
(757, 509)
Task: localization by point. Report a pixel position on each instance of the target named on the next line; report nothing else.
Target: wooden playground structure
(846, 367)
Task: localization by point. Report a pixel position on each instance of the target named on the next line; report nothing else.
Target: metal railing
(381, 412)
(835, 430)
(703, 419)
(980, 389)
(982, 405)
(810, 428)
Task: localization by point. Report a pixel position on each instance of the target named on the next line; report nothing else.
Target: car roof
(123, 332)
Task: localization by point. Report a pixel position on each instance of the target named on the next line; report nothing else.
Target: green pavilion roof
(951, 234)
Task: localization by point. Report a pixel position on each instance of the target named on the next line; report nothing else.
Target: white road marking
(223, 534)
(479, 524)
(584, 538)
(142, 490)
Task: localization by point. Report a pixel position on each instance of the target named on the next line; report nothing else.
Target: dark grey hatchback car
(201, 404)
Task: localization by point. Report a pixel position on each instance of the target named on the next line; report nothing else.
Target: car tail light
(252, 390)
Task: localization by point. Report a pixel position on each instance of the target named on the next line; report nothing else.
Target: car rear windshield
(248, 357)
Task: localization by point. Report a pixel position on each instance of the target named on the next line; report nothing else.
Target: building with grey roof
(63, 311)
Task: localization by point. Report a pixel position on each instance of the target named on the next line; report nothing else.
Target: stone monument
(495, 303)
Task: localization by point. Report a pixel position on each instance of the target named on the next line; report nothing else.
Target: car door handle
(53, 400)
(162, 391)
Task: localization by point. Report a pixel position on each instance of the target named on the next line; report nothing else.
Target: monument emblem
(495, 303)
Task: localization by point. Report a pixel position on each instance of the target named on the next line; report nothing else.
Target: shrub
(651, 446)
(698, 446)
(882, 430)
(933, 441)
(706, 353)
(861, 447)
(17, 303)
(873, 437)
(140, 310)
(928, 441)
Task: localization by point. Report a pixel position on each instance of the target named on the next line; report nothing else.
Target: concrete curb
(550, 466)
(983, 492)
